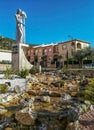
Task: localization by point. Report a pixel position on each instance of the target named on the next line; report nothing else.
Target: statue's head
(22, 13)
(19, 11)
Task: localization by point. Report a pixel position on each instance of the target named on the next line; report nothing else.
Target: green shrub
(88, 92)
(3, 88)
(23, 73)
(61, 82)
(8, 72)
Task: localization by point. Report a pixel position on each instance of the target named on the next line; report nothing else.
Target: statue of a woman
(20, 15)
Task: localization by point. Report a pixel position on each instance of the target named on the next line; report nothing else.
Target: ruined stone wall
(81, 72)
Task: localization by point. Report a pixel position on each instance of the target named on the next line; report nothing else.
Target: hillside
(6, 43)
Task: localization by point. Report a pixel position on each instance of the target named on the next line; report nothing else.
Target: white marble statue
(20, 26)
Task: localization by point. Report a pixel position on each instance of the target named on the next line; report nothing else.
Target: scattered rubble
(42, 101)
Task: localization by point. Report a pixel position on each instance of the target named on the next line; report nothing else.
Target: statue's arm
(18, 18)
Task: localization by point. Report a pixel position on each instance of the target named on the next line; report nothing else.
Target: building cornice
(74, 41)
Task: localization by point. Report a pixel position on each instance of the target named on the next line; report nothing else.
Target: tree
(44, 60)
(79, 56)
(91, 55)
(67, 59)
(59, 59)
(82, 54)
(55, 59)
(35, 60)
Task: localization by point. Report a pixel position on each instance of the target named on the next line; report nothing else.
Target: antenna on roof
(71, 37)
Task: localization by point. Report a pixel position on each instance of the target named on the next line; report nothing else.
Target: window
(63, 56)
(57, 48)
(39, 58)
(36, 52)
(73, 45)
(64, 47)
(39, 50)
(78, 45)
(50, 58)
(31, 51)
(50, 49)
(28, 52)
(45, 52)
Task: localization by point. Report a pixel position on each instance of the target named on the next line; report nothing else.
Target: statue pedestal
(19, 60)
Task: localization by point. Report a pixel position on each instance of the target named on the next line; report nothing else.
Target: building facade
(69, 47)
(52, 53)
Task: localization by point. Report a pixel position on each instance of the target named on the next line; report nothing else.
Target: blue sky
(49, 20)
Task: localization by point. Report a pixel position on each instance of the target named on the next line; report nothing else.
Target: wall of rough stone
(81, 72)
